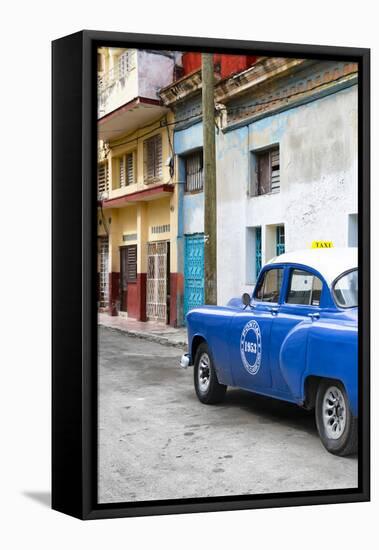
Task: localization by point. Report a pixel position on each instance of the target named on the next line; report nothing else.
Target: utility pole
(209, 152)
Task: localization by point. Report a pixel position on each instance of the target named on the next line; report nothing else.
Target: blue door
(301, 304)
(193, 271)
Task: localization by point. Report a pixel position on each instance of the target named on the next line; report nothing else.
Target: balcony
(128, 85)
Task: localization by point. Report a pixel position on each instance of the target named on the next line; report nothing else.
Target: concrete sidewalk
(152, 331)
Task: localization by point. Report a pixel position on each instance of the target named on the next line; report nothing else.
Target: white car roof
(330, 262)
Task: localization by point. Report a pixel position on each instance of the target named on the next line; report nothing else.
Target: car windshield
(345, 289)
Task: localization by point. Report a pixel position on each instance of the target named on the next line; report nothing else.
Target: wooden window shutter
(158, 156)
(130, 168)
(194, 172)
(102, 178)
(275, 169)
(122, 171)
(264, 173)
(152, 154)
(131, 264)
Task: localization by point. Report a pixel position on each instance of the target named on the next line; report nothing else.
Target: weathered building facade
(286, 164)
(286, 146)
(137, 191)
(183, 97)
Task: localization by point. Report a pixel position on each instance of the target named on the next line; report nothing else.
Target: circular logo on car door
(250, 347)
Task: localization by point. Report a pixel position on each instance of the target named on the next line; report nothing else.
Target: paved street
(157, 441)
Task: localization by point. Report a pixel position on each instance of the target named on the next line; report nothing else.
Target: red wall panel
(229, 64)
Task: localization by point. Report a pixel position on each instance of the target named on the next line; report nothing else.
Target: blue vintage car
(295, 338)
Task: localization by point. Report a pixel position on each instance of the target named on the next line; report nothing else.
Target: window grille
(156, 229)
(280, 240)
(258, 250)
(194, 172)
(102, 179)
(157, 280)
(125, 63)
(126, 170)
(152, 158)
(103, 256)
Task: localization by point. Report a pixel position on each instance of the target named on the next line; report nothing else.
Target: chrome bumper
(184, 361)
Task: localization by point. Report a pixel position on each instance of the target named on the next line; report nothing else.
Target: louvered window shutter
(122, 172)
(194, 172)
(102, 178)
(131, 267)
(146, 161)
(275, 170)
(158, 156)
(153, 159)
(130, 168)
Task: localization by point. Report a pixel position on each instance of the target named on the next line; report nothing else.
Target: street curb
(148, 336)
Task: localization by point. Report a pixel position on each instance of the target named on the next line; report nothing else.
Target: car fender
(212, 325)
(332, 352)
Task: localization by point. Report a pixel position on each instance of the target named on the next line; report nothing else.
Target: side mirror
(246, 299)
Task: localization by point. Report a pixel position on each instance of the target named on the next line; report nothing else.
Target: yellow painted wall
(158, 214)
(142, 216)
(124, 221)
(134, 143)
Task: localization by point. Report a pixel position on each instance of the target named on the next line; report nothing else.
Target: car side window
(305, 288)
(268, 289)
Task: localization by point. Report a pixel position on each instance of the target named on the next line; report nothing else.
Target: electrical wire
(105, 224)
(161, 125)
(289, 96)
(228, 110)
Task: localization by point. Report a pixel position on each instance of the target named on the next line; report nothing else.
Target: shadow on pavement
(42, 497)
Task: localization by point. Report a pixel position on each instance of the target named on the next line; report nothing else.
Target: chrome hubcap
(204, 373)
(334, 413)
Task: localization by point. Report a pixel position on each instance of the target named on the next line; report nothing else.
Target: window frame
(158, 168)
(123, 157)
(263, 276)
(103, 165)
(128, 247)
(334, 284)
(291, 271)
(186, 157)
(254, 170)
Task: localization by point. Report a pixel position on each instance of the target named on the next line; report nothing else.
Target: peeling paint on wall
(318, 182)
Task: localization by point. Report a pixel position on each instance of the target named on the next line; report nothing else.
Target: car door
(301, 303)
(251, 332)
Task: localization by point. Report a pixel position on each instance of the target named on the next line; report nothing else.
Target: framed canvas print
(210, 275)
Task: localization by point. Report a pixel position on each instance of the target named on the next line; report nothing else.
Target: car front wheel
(337, 427)
(207, 387)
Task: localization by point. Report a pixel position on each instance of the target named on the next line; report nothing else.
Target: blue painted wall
(192, 207)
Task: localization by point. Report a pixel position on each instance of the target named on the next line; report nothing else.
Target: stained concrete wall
(318, 189)
(192, 207)
(148, 74)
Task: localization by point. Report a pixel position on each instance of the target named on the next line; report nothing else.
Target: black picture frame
(74, 332)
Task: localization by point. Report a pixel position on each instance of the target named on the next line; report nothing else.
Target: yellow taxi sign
(322, 244)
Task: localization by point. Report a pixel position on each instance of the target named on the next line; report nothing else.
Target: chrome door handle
(274, 310)
(314, 316)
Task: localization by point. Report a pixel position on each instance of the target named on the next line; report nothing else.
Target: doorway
(158, 281)
(128, 272)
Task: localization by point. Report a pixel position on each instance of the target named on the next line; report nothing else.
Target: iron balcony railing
(124, 64)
